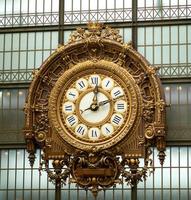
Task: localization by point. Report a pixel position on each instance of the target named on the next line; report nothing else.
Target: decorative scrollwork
(42, 122)
(61, 170)
(148, 111)
(134, 174)
(96, 31)
(95, 170)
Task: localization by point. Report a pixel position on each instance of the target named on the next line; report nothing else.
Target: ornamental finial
(94, 26)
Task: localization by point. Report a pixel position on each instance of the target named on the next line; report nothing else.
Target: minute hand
(101, 103)
(95, 94)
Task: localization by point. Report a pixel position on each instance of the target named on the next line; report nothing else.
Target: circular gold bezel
(88, 73)
(82, 69)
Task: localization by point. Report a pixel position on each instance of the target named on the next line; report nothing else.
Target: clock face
(94, 107)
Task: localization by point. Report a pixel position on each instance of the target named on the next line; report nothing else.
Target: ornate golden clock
(92, 101)
(94, 105)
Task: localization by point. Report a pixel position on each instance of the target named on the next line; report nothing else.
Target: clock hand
(82, 111)
(93, 107)
(101, 103)
(95, 94)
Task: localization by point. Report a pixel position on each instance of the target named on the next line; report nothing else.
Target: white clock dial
(68, 107)
(72, 121)
(117, 92)
(120, 106)
(95, 107)
(94, 116)
(72, 94)
(94, 80)
(94, 133)
(81, 84)
(81, 130)
(107, 84)
(117, 119)
(107, 129)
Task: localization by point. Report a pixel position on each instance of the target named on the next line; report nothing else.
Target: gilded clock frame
(83, 69)
(96, 165)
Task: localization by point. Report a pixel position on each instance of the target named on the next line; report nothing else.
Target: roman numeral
(116, 93)
(72, 94)
(107, 83)
(116, 119)
(94, 133)
(107, 130)
(71, 120)
(80, 130)
(94, 80)
(82, 84)
(68, 107)
(120, 106)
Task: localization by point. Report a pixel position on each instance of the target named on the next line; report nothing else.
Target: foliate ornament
(58, 176)
(148, 111)
(96, 31)
(134, 175)
(92, 170)
(93, 101)
(41, 121)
